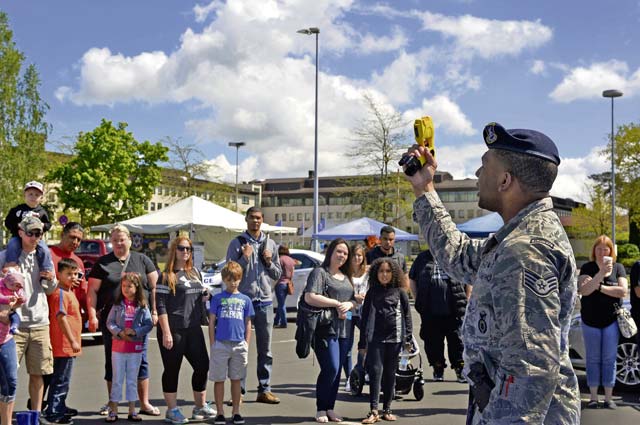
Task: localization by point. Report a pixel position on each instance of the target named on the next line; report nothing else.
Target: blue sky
(216, 72)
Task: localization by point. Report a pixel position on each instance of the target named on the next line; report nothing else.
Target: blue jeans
(263, 324)
(107, 339)
(282, 290)
(331, 359)
(8, 371)
(59, 387)
(14, 248)
(125, 370)
(602, 346)
(348, 364)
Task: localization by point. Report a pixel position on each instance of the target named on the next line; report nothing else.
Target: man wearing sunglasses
(32, 340)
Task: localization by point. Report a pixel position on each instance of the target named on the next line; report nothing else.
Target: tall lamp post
(613, 94)
(316, 185)
(237, 145)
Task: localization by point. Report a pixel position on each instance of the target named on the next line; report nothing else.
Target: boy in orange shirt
(65, 329)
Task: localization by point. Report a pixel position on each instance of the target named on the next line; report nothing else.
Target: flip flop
(154, 411)
(111, 417)
(331, 415)
(321, 417)
(134, 417)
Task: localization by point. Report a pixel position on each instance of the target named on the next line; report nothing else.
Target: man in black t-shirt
(387, 249)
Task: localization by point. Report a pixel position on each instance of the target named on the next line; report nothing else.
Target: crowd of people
(507, 338)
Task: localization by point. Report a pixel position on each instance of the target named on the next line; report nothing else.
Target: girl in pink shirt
(129, 321)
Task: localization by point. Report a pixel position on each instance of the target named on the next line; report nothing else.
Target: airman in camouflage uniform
(516, 328)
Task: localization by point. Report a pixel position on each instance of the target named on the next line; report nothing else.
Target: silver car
(305, 262)
(627, 363)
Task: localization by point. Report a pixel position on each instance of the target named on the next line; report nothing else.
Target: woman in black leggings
(180, 313)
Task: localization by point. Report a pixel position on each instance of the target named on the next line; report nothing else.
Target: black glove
(482, 385)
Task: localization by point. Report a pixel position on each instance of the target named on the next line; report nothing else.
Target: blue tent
(482, 227)
(359, 229)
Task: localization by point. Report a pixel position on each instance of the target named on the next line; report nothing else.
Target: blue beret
(528, 142)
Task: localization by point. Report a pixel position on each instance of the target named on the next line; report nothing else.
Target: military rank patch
(542, 286)
(541, 241)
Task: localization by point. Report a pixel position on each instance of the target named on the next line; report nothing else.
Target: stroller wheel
(418, 390)
(356, 380)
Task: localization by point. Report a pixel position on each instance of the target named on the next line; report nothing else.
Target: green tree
(23, 129)
(379, 139)
(111, 176)
(627, 161)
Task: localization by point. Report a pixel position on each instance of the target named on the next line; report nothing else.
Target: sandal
(333, 417)
(134, 417)
(388, 416)
(321, 417)
(593, 404)
(111, 417)
(154, 411)
(372, 418)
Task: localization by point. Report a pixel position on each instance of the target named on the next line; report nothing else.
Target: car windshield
(92, 247)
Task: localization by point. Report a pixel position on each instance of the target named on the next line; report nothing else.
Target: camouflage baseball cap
(30, 223)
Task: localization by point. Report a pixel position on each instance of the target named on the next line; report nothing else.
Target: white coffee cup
(607, 260)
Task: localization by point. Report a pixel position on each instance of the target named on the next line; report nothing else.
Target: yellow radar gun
(424, 134)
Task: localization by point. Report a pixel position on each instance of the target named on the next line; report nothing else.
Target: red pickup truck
(90, 250)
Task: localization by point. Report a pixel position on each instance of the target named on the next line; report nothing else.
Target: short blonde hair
(231, 271)
(120, 228)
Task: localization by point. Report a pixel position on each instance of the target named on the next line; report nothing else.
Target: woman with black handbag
(181, 313)
(330, 287)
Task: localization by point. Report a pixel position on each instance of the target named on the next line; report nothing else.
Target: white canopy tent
(207, 222)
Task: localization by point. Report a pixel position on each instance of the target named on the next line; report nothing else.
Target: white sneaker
(347, 387)
(204, 412)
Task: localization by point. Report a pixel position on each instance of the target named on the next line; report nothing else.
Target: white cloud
(538, 67)
(590, 82)
(403, 77)
(487, 38)
(461, 161)
(445, 113)
(372, 44)
(573, 174)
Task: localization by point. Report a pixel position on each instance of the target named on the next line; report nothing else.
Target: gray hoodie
(257, 279)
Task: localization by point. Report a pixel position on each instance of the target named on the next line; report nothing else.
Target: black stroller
(408, 376)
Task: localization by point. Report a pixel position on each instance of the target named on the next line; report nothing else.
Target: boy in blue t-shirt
(230, 314)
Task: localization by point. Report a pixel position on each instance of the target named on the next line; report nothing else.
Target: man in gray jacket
(32, 340)
(258, 256)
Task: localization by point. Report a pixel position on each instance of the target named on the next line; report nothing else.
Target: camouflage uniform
(516, 328)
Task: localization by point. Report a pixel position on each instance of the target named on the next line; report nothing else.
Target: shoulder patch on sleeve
(542, 286)
(541, 241)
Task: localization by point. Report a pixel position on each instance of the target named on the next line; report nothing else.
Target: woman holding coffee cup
(602, 284)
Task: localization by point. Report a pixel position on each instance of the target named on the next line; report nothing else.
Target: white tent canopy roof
(191, 213)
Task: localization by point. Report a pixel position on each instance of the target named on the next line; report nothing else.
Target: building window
(452, 213)
(339, 215)
(284, 216)
(166, 205)
(277, 217)
(322, 215)
(478, 213)
(153, 206)
(291, 216)
(470, 214)
(245, 200)
(460, 213)
(329, 215)
(159, 205)
(299, 216)
(346, 215)
(146, 206)
(307, 216)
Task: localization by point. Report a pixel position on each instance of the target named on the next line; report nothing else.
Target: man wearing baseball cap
(32, 340)
(33, 195)
(516, 328)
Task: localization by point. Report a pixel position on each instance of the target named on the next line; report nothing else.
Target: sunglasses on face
(34, 234)
(184, 248)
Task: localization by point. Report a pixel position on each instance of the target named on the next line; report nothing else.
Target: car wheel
(628, 365)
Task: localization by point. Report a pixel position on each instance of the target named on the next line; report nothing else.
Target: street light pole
(316, 184)
(613, 94)
(237, 145)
